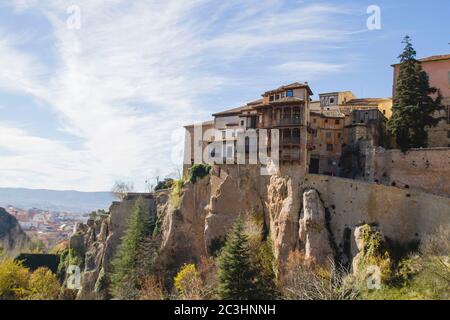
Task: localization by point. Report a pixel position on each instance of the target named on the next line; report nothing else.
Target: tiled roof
(206, 123)
(366, 101)
(432, 58)
(290, 86)
(329, 113)
(231, 112)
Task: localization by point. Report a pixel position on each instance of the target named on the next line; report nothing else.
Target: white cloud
(309, 69)
(135, 72)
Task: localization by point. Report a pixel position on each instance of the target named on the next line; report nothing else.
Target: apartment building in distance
(438, 70)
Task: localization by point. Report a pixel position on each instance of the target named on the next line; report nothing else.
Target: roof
(231, 112)
(329, 113)
(365, 102)
(205, 123)
(294, 85)
(431, 58)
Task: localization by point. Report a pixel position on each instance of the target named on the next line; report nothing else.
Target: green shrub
(165, 184)
(199, 171)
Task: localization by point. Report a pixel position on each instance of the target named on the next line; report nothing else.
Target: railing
(294, 140)
(290, 156)
(287, 122)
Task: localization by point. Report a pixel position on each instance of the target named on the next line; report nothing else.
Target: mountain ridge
(55, 200)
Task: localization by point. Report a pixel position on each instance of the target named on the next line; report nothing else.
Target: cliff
(316, 215)
(12, 237)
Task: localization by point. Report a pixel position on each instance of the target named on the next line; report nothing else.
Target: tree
(126, 272)
(236, 274)
(43, 285)
(414, 104)
(13, 280)
(121, 188)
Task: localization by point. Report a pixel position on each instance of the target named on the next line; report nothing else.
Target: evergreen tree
(127, 263)
(236, 274)
(413, 102)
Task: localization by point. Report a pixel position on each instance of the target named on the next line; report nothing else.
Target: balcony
(287, 122)
(290, 156)
(290, 141)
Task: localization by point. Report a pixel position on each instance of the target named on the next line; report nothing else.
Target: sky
(95, 91)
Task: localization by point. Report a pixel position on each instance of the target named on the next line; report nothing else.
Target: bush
(188, 283)
(177, 191)
(13, 280)
(316, 283)
(165, 184)
(199, 171)
(152, 289)
(43, 285)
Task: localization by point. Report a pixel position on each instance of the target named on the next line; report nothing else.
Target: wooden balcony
(287, 122)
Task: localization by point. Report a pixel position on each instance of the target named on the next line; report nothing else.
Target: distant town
(46, 227)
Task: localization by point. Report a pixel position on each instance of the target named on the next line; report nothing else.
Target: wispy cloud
(136, 71)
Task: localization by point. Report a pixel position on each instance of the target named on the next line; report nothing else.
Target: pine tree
(236, 274)
(414, 105)
(127, 263)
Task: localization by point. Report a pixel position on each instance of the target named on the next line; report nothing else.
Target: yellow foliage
(43, 285)
(188, 282)
(13, 280)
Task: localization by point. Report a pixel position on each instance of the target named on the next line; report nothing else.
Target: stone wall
(404, 216)
(423, 169)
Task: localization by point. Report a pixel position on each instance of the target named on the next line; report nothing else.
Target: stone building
(327, 129)
(438, 70)
(285, 109)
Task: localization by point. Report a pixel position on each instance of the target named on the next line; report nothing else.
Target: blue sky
(81, 108)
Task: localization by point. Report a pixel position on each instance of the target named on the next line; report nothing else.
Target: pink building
(438, 70)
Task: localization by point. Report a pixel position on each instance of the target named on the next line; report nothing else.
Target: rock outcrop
(12, 238)
(95, 244)
(313, 233)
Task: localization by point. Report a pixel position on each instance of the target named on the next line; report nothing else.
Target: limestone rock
(312, 231)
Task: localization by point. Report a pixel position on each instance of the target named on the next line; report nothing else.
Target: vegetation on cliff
(132, 260)
(19, 283)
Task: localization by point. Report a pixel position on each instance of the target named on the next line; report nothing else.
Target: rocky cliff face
(95, 244)
(299, 213)
(12, 237)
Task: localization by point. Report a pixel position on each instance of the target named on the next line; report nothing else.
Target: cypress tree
(414, 105)
(236, 274)
(126, 274)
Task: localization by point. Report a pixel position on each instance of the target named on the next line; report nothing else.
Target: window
(271, 98)
(326, 120)
(328, 135)
(448, 114)
(337, 121)
(224, 134)
(339, 135)
(329, 147)
(290, 93)
(448, 134)
(229, 151)
(277, 97)
(331, 100)
(242, 123)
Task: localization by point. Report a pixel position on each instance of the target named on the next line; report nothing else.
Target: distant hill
(63, 201)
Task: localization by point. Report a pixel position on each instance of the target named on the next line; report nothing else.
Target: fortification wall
(403, 215)
(422, 169)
